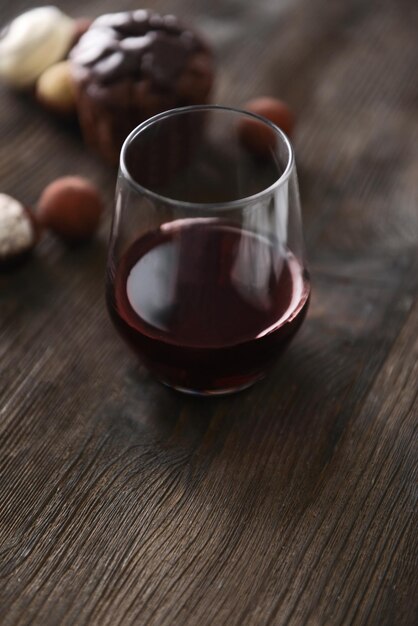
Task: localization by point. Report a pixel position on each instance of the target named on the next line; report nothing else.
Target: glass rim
(225, 206)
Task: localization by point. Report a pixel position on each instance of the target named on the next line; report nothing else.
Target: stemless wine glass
(206, 276)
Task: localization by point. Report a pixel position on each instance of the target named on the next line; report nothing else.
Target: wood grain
(122, 503)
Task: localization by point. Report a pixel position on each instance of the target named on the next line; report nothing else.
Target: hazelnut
(55, 89)
(18, 231)
(258, 137)
(71, 208)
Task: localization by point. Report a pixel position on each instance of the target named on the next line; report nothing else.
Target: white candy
(32, 42)
(16, 229)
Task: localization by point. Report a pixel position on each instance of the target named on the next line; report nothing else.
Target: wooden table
(122, 503)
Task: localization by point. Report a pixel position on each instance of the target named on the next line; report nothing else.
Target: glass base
(214, 392)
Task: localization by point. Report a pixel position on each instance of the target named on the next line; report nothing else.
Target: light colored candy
(17, 232)
(32, 42)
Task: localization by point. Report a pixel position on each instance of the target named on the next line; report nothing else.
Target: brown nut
(258, 137)
(55, 89)
(18, 231)
(71, 208)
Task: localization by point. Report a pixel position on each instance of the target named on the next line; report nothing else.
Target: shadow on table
(282, 405)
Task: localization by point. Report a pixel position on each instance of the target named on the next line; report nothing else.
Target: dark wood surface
(122, 503)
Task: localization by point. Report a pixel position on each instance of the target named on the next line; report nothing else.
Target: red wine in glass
(207, 305)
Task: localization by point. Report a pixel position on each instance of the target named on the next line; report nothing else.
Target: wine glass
(206, 277)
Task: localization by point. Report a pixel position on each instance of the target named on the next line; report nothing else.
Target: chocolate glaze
(136, 44)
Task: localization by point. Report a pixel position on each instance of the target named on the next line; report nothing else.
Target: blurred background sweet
(32, 42)
(130, 66)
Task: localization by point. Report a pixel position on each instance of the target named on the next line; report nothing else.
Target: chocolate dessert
(129, 66)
